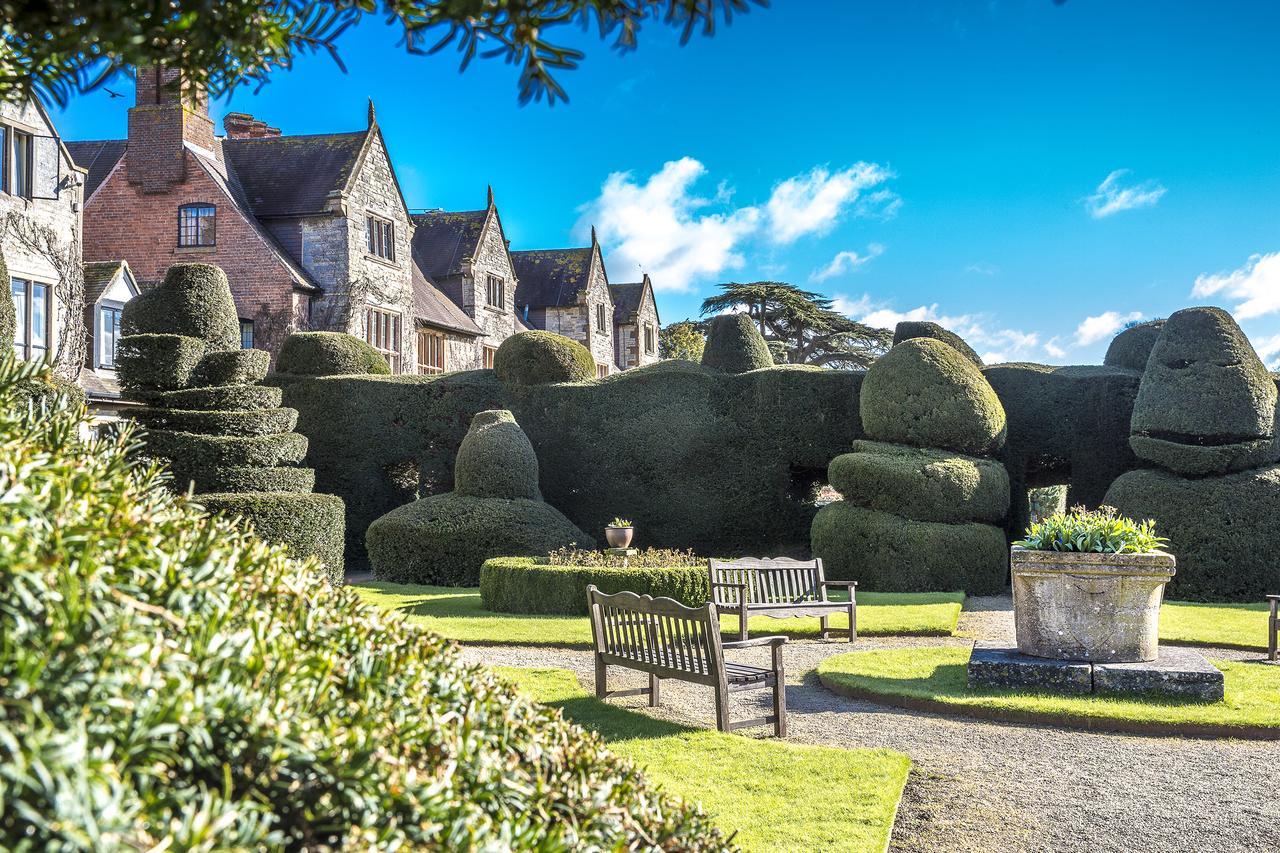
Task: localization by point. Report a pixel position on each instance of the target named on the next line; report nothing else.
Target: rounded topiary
(8, 314)
(735, 345)
(231, 367)
(445, 539)
(909, 329)
(921, 484)
(157, 362)
(1221, 529)
(888, 553)
(308, 525)
(924, 393)
(329, 354)
(1131, 348)
(496, 460)
(540, 358)
(193, 300)
(527, 585)
(1206, 403)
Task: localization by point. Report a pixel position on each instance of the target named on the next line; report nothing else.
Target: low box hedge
(217, 451)
(245, 423)
(531, 585)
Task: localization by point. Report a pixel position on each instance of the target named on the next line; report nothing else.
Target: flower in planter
(1102, 531)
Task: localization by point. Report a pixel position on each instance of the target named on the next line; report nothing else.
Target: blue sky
(1030, 174)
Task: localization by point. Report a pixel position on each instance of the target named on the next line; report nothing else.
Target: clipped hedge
(244, 479)
(909, 329)
(233, 423)
(888, 553)
(173, 683)
(218, 398)
(924, 393)
(496, 460)
(445, 539)
(223, 451)
(157, 362)
(539, 358)
(307, 525)
(193, 300)
(1131, 348)
(329, 354)
(526, 585)
(926, 485)
(1221, 529)
(735, 345)
(232, 367)
(1207, 403)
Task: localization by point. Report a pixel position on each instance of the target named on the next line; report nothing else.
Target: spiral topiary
(735, 345)
(194, 300)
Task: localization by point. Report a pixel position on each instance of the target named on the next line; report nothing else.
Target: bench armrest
(849, 584)
(1273, 598)
(758, 641)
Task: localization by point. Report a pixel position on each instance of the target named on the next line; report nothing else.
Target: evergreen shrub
(1131, 348)
(529, 585)
(329, 354)
(193, 300)
(242, 423)
(308, 525)
(908, 329)
(218, 451)
(157, 362)
(239, 398)
(8, 313)
(288, 478)
(539, 358)
(173, 683)
(232, 367)
(496, 460)
(735, 345)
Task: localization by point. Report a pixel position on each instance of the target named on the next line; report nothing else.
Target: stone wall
(491, 258)
(598, 337)
(646, 315)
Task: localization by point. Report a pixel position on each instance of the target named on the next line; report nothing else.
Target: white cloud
(1105, 325)
(999, 344)
(813, 202)
(982, 268)
(1268, 350)
(1111, 196)
(658, 225)
(848, 261)
(851, 307)
(1053, 349)
(661, 224)
(1257, 284)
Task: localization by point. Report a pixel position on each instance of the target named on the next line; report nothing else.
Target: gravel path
(982, 786)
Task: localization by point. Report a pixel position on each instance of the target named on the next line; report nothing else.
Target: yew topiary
(909, 329)
(540, 358)
(193, 300)
(1131, 348)
(329, 354)
(735, 345)
(924, 393)
(496, 459)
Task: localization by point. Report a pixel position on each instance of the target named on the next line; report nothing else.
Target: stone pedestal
(1176, 673)
(1089, 607)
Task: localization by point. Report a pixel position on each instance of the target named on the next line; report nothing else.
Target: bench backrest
(768, 581)
(659, 635)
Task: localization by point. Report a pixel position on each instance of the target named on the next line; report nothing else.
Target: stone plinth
(1176, 673)
(1089, 607)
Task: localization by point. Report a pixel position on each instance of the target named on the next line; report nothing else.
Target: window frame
(498, 283)
(650, 339)
(486, 356)
(379, 237)
(246, 325)
(602, 370)
(20, 184)
(601, 320)
(432, 343)
(100, 360)
(24, 348)
(382, 325)
(194, 208)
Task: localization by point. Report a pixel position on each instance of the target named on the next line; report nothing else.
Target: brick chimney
(167, 114)
(245, 126)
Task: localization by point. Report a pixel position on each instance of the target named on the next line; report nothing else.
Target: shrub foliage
(329, 354)
(735, 345)
(528, 585)
(172, 682)
(1101, 531)
(537, 358)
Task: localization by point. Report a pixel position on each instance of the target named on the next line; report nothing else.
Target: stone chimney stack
(167, 115)
(245, 126)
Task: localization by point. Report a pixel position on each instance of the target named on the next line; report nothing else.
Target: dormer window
(496, 292)
(380, 237)
(196, 225)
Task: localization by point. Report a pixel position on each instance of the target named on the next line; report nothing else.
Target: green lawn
(455, 612)
(1232, 626)
(938, 674)
(775, 795)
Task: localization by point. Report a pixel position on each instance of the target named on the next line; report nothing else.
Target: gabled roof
(98, 158)
(551, 278)
(98, 276)
(628, 297)
(294, 175)
(435, 309)
(442, 239)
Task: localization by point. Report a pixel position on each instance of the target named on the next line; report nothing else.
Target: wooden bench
(664, 638)
(779, 588)
(1273, 626)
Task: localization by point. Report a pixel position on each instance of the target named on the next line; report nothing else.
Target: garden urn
(1087, 606)
(619, 537)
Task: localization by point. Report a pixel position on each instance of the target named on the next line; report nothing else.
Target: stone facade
(635, 324)
(581, 309)
(53, 201)
(491, 259)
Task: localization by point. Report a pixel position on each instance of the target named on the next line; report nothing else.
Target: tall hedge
(735, 345)
(207, 418)
(173, 683)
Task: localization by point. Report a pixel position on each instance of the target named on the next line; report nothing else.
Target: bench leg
(722, 710)
(602, 676)
(1274, 627)
(853, 620)
(742, 623)
(653, 691)
(779, 694)
(826, 629)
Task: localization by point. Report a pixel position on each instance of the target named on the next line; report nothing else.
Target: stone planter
(619, 537)
(1089, 607)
